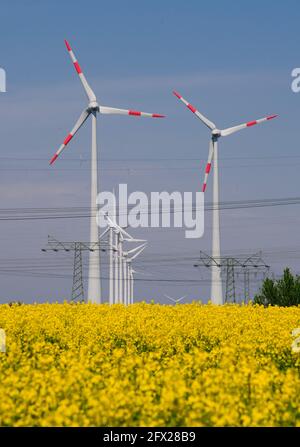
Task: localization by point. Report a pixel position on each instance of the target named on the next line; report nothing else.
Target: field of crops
(153, 365)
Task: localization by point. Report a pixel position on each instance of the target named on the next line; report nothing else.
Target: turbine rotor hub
(216, 133)
(93, 106)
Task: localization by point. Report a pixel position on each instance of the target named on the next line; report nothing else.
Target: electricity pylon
(231, 267)
(120, 261)
(76, 247)
(77, 287)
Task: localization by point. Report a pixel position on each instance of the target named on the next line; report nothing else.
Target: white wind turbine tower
(128, 277)
(93, 108)
(216, 134)
(120, 270)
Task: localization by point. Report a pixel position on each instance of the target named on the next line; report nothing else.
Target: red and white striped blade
(208, 164)
(83, 117)
(231, 130)
(113, 111)
(203, 118)
(89, 92)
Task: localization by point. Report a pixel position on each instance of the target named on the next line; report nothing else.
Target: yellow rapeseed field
(149, 365)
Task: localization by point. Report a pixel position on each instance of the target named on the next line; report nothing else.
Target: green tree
(283, 292)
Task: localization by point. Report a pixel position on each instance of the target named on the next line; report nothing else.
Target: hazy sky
(231, 60)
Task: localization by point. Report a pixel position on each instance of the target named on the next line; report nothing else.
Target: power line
(87, 159)
(52, 275)
(263, 203)
(131, 170)
(152, 257)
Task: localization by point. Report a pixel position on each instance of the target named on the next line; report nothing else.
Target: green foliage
(284, 292)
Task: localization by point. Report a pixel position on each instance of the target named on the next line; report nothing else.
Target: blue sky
(232, 60)
(127, 38)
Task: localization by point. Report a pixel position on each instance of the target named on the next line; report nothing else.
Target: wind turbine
(92, 109)
(175, 301)
(216, 134)
(120, 287)
(129, 278)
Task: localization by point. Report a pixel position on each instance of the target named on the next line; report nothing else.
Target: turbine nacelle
(93, 106)
(216, 133)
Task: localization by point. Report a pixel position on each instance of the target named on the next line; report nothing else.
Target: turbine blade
(208, 165)
(89, 92)
(170, 298)
(113, 111)
(122, 232)
(203, 118)
(138, 253)
(133, 250)
(83, 117)
(231, 130)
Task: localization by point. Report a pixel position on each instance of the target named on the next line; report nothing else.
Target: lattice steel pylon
(248, 265)
(230, 295)
(76, 247)
(77, 286)
(247, 284)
